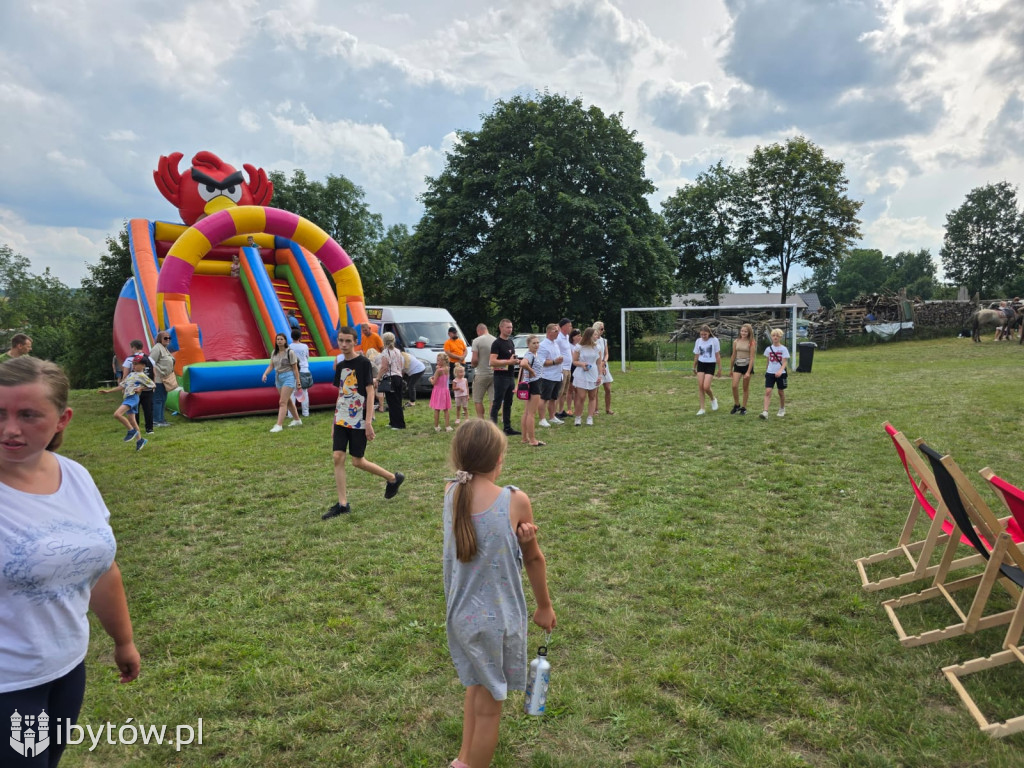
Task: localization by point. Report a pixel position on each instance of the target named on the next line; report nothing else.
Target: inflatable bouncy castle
(223, 321)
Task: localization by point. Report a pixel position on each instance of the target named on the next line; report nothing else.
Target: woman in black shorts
(707, 364)
(742, 366)
(532, 378)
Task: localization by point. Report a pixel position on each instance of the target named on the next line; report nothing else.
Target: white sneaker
(590, 421)
(781, 413)
(700, 412)
(295, 423)
(578, 421)
(543, 423)
(277, 428)
(714, 404)
(764, 414)
(556, 420)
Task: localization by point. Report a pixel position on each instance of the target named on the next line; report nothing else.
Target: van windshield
(433, 334)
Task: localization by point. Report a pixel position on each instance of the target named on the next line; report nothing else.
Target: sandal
(538, 444)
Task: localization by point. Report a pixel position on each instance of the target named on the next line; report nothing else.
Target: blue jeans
(159, 399)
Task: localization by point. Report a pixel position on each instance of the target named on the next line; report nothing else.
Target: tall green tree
(90, 357)
(542, 212)
(336, 205)
(863, 270)
(703, 222)
(984, 238)
(796, 210)
(380, 272)
(913, 271)
(39, 305)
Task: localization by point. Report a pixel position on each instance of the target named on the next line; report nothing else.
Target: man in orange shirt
(370, 339)
(455, 348)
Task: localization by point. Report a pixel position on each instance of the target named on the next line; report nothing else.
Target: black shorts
(771, 380)
(549, 389)
(706, 368)
(352, 441)
(534, 387)
(742, 369)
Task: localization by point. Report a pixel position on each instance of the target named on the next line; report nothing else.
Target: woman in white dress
(606, 380)
(588, 370)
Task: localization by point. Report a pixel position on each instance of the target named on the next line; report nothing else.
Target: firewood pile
(943, 314)
(825, 325)
(727, 326)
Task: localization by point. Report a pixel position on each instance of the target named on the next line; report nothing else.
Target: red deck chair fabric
(1013, 497)
(918, 554)
(922, 498)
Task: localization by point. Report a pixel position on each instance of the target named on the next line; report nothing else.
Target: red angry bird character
(211, 185)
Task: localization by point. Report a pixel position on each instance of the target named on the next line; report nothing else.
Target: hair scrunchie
(462, 476)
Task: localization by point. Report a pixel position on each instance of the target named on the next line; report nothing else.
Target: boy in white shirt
(775, 375)
(132, 384)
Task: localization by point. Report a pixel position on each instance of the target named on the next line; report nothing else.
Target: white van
(420, 331)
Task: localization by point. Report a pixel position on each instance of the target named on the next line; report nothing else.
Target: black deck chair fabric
(954, 503)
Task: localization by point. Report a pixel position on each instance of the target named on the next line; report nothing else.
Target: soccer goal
(666, 334)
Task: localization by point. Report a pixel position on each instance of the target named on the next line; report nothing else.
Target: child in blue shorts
(133, 383)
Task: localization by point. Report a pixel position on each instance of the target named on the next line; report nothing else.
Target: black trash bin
(805, 349)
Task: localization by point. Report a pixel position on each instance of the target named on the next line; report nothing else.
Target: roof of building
(811, 300)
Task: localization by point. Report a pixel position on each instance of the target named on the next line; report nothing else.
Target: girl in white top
(707, 364)
(588, 370)
(531, 376)
(606, 380)
(57, 551)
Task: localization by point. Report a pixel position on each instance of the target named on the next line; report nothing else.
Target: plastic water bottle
(537, 681)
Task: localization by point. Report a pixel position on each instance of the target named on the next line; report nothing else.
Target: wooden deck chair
(1005, 561)
(917, 553)
(1013, 497)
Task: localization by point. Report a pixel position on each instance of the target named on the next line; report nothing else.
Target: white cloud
(368, 152)
(67, 251)
(891, 234)
(124, 134)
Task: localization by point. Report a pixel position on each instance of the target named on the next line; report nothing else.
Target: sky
(922, 100)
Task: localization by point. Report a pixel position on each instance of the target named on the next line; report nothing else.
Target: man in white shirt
(565, 349)
(305, 377)
(549, 368)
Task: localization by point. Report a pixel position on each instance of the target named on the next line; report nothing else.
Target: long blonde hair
(477, 448)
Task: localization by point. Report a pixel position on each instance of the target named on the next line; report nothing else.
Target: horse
(988, 318)
(984, 319)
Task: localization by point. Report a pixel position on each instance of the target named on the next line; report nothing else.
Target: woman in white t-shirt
(58, 554)
(707, 364)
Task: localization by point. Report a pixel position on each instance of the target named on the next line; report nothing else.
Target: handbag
(170, 382)
(523, 387)
(385, 385)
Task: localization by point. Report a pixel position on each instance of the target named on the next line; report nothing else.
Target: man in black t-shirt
(353, 421)
(503, 361)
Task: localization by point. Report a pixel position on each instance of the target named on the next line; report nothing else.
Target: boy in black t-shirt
(353, 421)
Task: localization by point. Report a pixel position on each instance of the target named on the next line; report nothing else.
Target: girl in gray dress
(489, 535)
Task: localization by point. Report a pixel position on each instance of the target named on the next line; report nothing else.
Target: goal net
(665, 335)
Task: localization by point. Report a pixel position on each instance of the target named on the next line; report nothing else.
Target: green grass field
(701, 568)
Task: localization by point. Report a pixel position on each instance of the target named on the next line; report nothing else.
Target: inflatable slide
(223, 320)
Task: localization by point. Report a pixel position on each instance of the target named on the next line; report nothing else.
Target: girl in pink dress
(440, 397)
